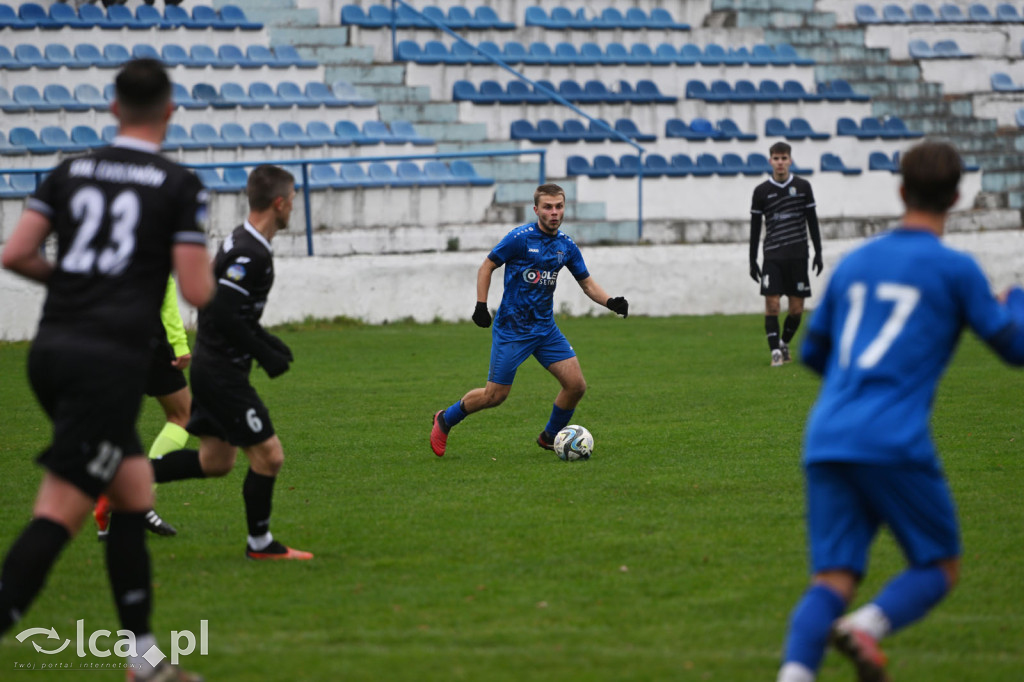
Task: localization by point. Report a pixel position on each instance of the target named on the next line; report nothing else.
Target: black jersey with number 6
(116, 213)
(784, 206)
(245, 265)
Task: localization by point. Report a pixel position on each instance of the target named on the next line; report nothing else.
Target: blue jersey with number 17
(532, 259)
(884, 333)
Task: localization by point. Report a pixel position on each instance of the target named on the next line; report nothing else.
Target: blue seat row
(681, 165)
(798, 129)
(1002, 82)
(31, 15)
(870, 128)
(921, 13)
(574, 130)
(701, 130)
(458, 17)
(354, 176)
(53, 139)
(612, 54)
(518, 92)
(17, 185)
(259, 94)
(943, 49)
(769, 91)
(562, 18)
(113, 55)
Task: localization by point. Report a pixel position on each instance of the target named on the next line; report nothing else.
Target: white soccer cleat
(784, 348)
(777, 360)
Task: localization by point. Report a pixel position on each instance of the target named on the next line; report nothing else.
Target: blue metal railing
(537, 86)
(304, 164)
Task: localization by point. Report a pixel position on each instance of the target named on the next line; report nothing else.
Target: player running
(227, 414)
(532, 255)
(882, 337)
(787, 204)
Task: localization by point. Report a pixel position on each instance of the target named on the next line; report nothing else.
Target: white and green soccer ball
(574, 443)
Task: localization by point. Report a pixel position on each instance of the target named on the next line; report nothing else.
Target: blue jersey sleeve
(576, 265)
(508, 248)
(818, 341)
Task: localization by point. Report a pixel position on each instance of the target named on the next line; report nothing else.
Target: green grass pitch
(675, 553)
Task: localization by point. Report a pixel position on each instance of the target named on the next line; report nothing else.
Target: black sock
(771, 328)
(258, 492)
(790, 326)
(177, 466)
(128, 570)
(28, 562)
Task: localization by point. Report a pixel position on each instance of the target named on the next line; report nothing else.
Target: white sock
(795, 672)
(143, 643)
(870, 619)
(260, 543)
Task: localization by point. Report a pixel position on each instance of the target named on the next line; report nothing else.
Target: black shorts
(226, 406)
(164, 378)
(785, 277)
(93, 400)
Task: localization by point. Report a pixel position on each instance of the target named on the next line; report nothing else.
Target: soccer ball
(574, 442)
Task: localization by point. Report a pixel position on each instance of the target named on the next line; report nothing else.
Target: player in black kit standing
(123, 216)
(227, 414)
(787, 204)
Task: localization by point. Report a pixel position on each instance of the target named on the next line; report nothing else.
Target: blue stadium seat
(10, 19)
(596, 91)
(871, 128)
(1007, 13)
(635, 19)
(26, 137)
(211, 179)
(379, 131)
(800, 128)
(323, 176)
(729, 130)
(706, 164)
(758, 163)
(682, 164)
(232, 55)
(175, 138)
(237, 136)
(486, 17)
(30, 55)
(952, 14)
(90, 55)
(209, 137)
(897, 125)
(948, 49)
(732, 164)
(661, 19)
(839, 90)
(776, 127)
(538, 16)
(865, 14)
(628, 127)
(713, 54)
(173, 54)
(1001, 82)
(921, 13)
(979, 13)
(466, 172)
(291, 93)
(294, 134)
(58, 138)
(263, 132)
(8, 149)
(18, 185)
(538, 53)
(288, 55)
(119, 16)
(236, 95)
(521, 129)
(234, 16)
(518, 92)
(1018, 117)
(261, 55)
(406, 132)
(491, 92)
(610, 18)
(382, 174)
(144, 51)
(745, 91)
(87, 94)
(463, 90)
(349, 131)
(578, 165)
(355, 16)
(353, 175)
(263, 94)
(410, 51)
(116, 54)
(549, 131)
(184, 99)
(881, 161)
(149, 17)
(206, 93)
(63, 14)
(321, 94)
(786, 54)
(86, 137)
(438, 172)
(8, 61)
(322, 134)
(648, 91)
(59, 54)
(656, 165)
(93, 15)
(848, 127)
(58, 95)
(770, 91)
(34, 14)
(28, 96)
(794, 90)
(832, 163)
(894, 14)
(205, 16)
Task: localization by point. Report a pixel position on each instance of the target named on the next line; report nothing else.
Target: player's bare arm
(22, 253)
(195, 275)
(598, 295)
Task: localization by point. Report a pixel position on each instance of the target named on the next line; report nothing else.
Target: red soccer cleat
(275, 550)
(438, 437)
(863, 651)
(101, 512)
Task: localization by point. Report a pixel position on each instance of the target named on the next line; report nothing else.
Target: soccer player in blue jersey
(882, 337)
(532, 255)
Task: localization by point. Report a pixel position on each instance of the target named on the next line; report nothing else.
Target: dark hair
(931, 173)
(780, 148)
(550, 189)
(142, 90)
(267, 183)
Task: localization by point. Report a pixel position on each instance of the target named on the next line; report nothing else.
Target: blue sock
(810, 624)
(911, 594)
(559, 418)
(454, 414)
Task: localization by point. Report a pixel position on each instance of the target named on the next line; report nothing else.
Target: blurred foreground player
(525, 324)
(123, 216)
(227, 414)
(882, 337)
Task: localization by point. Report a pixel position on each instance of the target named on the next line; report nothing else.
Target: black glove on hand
(274, 364)
(755, 272)
(280, 346)
(817, 264)
(618, 305)
(481, 316)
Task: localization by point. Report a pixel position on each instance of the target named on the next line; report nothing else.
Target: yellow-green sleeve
(171, 317)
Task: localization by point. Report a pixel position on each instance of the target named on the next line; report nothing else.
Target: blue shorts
(508, 354)
(847, 503)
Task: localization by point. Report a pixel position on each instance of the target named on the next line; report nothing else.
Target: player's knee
(215, 467)
(577, 388)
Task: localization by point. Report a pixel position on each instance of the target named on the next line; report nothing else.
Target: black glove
(280, 346)
(817, 264)
(481, 316)
(618, 305)
(274, 364)
(755, 272)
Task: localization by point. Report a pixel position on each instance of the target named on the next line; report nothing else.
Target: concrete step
(423, 112)
(909, 91)
(605, 232)
(853, 54)
(248, 5)
(1002, 181)
(376, 74)
(453, 132)
(280, 15)
(784, 19)
(805, 37)
(868, 72)
(762, 5)
(338, 54)
(488, 146)
(903, 104)
(310, 36)
(396, 94)
(993, 161)
(951, 126)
